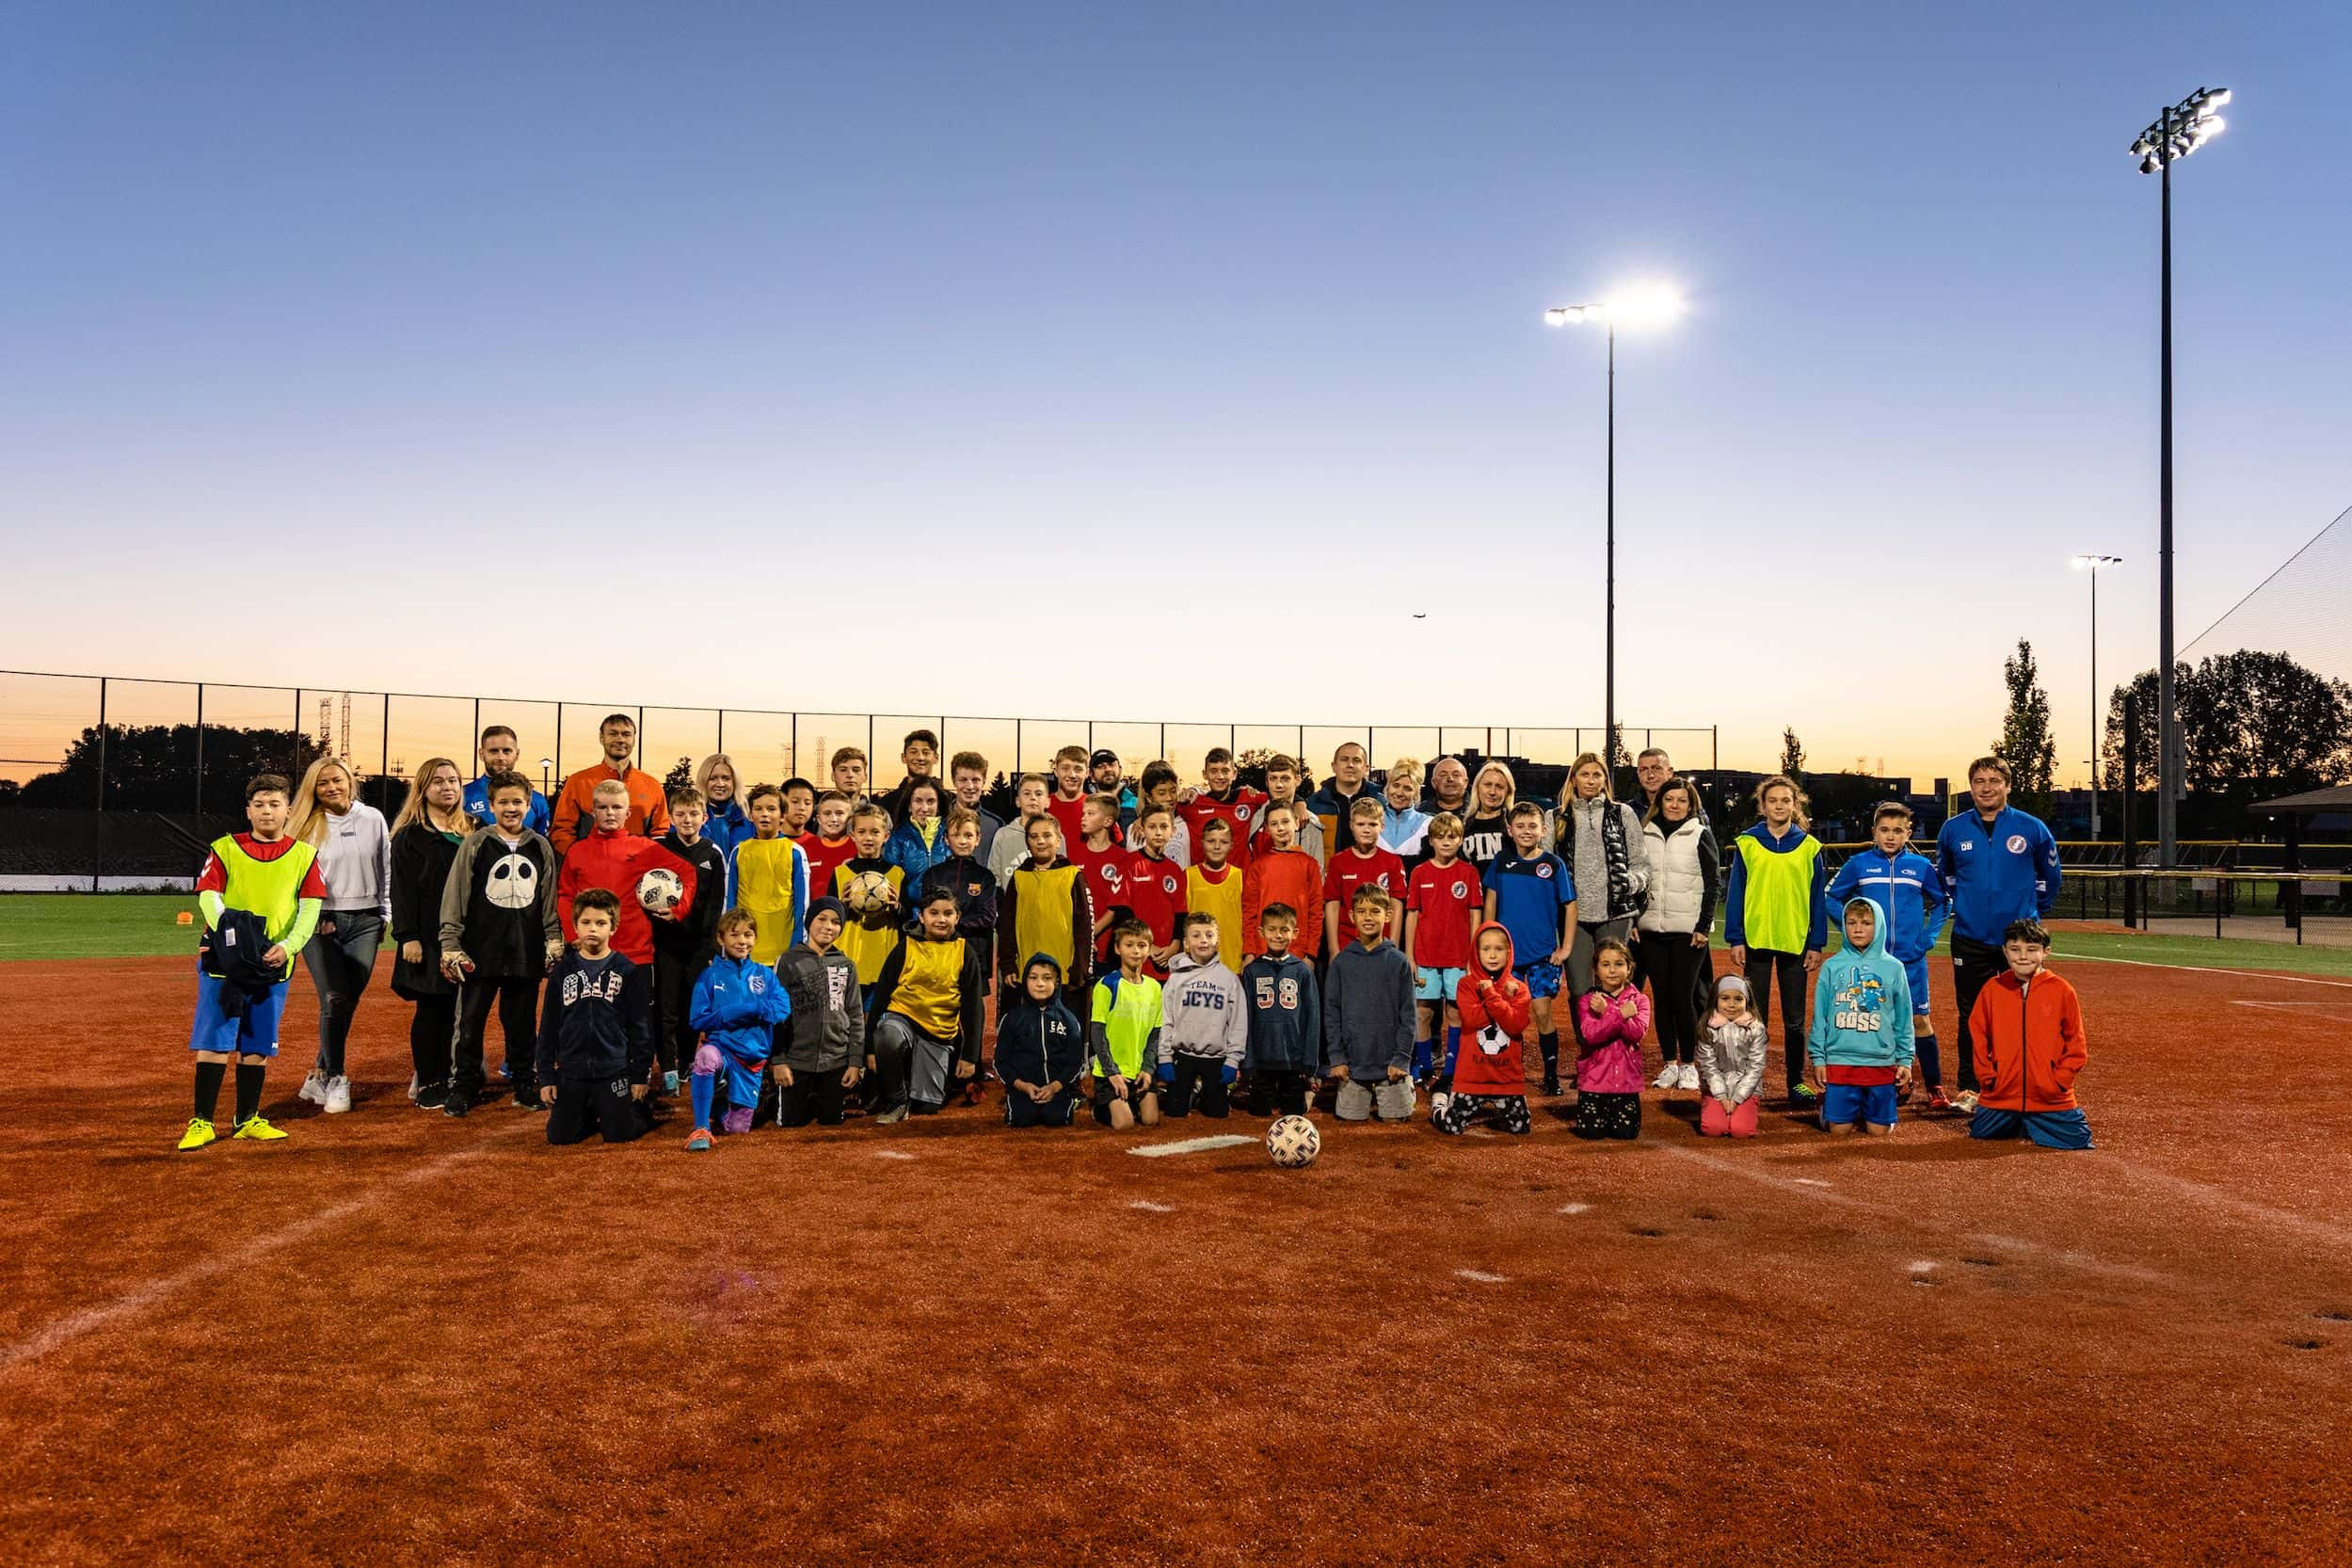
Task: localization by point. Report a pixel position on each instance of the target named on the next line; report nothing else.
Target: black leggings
(517, 999)
(432, 1030)
(1763, 963)
(1974, 966)
(1201, 1075)
(1674, 966)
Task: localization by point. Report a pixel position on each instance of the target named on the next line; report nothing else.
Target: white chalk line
(1573, 1208)
(893, 1153)
(1190, 1146)
(2300, 1224)
(2200, 968)
(1480, 1276)
(1150, 1208)
(140, 1298)
(2279, 1006)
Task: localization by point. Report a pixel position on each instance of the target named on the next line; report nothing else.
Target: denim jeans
(340, 963)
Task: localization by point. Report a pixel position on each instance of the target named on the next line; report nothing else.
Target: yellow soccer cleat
(257, 1127)
(200, 1134)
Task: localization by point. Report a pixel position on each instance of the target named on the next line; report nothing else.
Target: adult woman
(722, 790)
(1686, 879)
(425, 835)
(1487, 828)
(1600, 838)
(354, 858)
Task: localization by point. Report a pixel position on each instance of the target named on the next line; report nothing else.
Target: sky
(1177, 363)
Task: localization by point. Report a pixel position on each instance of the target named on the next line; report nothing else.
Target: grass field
(141, 925)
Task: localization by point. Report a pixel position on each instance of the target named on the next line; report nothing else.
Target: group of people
(797, 953)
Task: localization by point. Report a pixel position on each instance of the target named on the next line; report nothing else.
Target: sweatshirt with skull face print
(498, 908)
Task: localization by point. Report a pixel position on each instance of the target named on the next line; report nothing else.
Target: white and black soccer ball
(1293, 1143)
(867, 893)
(661, 890)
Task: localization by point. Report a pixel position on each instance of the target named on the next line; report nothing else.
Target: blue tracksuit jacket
(1907, 892)
(736, 1004)
(1997, 871)
(478, 808)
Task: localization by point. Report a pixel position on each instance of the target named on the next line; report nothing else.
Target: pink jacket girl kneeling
(1608, 1044)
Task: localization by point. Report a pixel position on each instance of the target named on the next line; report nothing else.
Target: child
(918, 756)
(1280, 873)
(1489, 1081)
(1531, 895)
(927, 1015)
(1123, 1033)
(615, 859)
(1362, 864)
(1443, 896)
(800, 806)
(684, 943)
(1859, 1049)
(1612, 1018)
(1403, 823)
(966, 880)
(1155, 893)
(872, 934)
(1731, 1062)
(1776, 916)
(738, 1004)
(822, 1045)
(1011, 842)
(919, 843)
(261, 892)
(848, 767)
(827, 844)
(596, 1045)
(1307, 829)
(2027, 1032)
(768, 875)
(1908, 887)
(1158, 790)
(1216, 886)
(1224, 799)
(1102, 862)
(1367, 1013)
(1204, 1030)
(1040, 1049)
(1286, 1023)
(968, 778)
(1045, 911)
(498, 933)
(1068, 801)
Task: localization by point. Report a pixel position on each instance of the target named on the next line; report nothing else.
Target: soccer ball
(867, 893)
(659, 890)
(1293, 1143)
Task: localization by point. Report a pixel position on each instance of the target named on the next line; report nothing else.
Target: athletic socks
(1453, 1049)
(1550, 1046)
(1930, 1060)
(705, 1084)
(208, 1077)
(1420, 1060)
(249, 1076)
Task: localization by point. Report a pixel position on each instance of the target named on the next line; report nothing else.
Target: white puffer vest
(1677, 887)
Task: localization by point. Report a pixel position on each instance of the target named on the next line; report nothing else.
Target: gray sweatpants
(1390, 1102)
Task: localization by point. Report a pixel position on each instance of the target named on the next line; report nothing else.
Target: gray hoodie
(827, 1030)
(1368, 1011)
(1203, 1013)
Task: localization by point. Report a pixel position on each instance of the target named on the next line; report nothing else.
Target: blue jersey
(1996, 871)
(478, 807)
(1909, 893)
(1530, 891)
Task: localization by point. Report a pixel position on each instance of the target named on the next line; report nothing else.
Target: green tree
(2251, 723)
(2025, 744)
(152, 767)
(1792, 753)
(681, 776)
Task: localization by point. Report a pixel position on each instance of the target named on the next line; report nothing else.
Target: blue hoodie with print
(1861, 1004)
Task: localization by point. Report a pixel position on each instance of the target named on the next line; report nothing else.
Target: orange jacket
(2029, 1043)
(1284, 876)
(574, 814)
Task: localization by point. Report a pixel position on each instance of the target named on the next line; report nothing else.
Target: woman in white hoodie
(354, 858)
(1685, 881)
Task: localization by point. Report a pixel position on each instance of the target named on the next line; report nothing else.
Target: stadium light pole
(1652, 305)
(2098, 717)
(2178, 129)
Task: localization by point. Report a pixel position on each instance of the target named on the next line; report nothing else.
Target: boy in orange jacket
(2027, 1033)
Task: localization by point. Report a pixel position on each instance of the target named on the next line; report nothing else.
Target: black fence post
(2131, 796)
(98, 852)
(199, 756)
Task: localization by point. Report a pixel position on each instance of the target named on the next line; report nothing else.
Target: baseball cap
(1106, 755)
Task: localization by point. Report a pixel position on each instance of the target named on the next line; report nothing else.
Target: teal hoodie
(1861, 1004)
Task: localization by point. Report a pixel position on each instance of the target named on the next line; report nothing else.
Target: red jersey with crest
(1156, 894)
(1349, 871)
(1104, 871)
(1241, 814)
(1449, 899)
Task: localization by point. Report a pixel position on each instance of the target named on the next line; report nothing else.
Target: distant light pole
(2098, 715)
(1652, 305)
(547, 774)
(2177, 130)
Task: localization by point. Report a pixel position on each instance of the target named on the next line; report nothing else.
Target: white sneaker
(1687, 1078)
(314, 1088)
(1668, 1076)
(1965, 1103)
(338, 1098)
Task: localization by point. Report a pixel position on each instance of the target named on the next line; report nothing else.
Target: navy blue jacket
(1286, 1015)
(1040, 1042)
(1997, 871)
(594, 1025)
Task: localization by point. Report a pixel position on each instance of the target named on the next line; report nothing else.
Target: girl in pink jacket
(1611, 1019)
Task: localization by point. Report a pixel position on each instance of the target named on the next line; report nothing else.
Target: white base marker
(1480, 1276)
(1573, 1208)
(893, 1153)
(1922, 1267)
(1808, 1181)
(1150, 1208)
(1190, 1146)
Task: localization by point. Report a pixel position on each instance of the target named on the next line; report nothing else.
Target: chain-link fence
(112, 782)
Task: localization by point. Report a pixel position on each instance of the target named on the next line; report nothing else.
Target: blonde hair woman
(723, 789)
(425, 835)
(1600, 838)
(355, 859)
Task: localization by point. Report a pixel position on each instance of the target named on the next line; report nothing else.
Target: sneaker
(526, 1100)
(973, 1091)
(1551, 1081)
(200, 1134)
(884, 1118)
(338, 1094)
(1938, 1101)
(1687, 1077)
(459, 1103)
(430, 1096)
(1668, 1076)
(1803, 1094)
(669, 1083)
(258, 1128)
(699, 1141)
(506, 1069)
(1965, 1103)
(414, 1087)
(313, 1087)
(1438, 1100)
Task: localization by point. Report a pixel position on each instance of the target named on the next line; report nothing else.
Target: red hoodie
(1483, 1065)
(615, 861)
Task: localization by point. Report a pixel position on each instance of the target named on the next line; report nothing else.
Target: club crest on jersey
(1543, 870)
(1167, 885)
(2017, 843)
(1460, 891)
(1241, 813)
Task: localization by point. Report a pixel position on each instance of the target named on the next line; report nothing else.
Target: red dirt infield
(394, 1338)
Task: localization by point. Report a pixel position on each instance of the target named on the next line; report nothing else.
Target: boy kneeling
(738, 1001)
(595, 1041)
(1860, 1046)
(2027, 1031)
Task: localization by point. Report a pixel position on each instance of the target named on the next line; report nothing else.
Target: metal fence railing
(2304, 908)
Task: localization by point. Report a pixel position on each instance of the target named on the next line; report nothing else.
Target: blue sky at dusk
(1160, 362)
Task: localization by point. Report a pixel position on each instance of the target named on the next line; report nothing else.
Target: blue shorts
(1844, 1104)
(254, 1035)
(2052, 1129)
(1543, 980)
(1438, 984)
(1915, 975)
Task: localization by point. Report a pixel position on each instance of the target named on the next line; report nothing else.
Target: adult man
(1449, 788)
(574, 813)
(968, 772)
(1654, 768)
(1350, 772)
(1102, 779)
(1999, 864)
(918, 753)
(499, 751)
